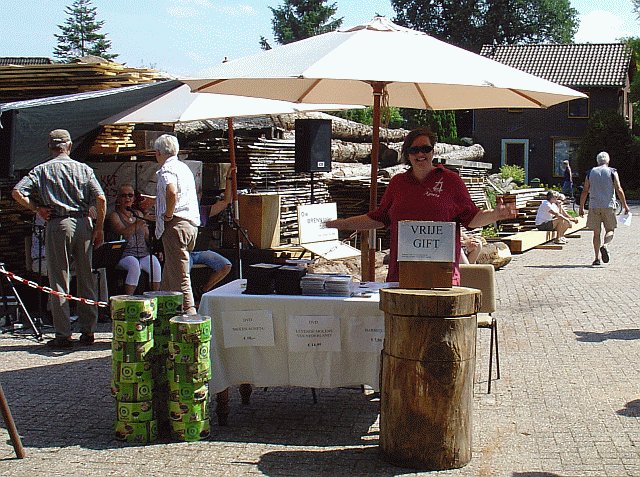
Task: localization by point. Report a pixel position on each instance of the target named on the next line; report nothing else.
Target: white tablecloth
(268, 366)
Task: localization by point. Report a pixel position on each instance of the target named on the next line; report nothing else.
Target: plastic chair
(482, 277)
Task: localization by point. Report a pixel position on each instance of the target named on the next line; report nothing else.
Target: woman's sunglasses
(416, 149)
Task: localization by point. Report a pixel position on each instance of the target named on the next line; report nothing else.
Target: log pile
(267, 165)
(21, 82)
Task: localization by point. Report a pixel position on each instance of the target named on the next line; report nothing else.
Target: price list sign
(313, 333)
(247, 328)
(366, 334)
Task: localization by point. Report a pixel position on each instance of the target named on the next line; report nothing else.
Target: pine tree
(299, 19)
(81, 34)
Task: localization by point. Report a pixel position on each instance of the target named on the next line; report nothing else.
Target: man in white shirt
(549, 217)
(177, 218)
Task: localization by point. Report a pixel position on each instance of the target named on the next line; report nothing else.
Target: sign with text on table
(425, 241)
(365, 334)
(313, 333)
(247, 328)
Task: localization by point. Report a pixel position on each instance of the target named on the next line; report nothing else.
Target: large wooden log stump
(427, 376)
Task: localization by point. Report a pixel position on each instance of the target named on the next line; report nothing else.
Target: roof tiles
(573, 65)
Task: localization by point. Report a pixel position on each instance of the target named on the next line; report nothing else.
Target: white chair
(482, 277)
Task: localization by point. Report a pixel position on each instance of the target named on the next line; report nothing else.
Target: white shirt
(176, 172)
(544, 214)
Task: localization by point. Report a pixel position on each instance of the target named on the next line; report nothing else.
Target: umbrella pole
(369, 251)
(234, 190)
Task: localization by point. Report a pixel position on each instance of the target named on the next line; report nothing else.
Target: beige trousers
(178, 240)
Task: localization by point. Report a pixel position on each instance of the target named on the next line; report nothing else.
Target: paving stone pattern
(567, 404)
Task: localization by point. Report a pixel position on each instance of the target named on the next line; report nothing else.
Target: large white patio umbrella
(361, 64)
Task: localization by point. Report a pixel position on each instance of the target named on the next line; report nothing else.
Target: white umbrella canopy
(418, 71)
(362, 64)
(181, 105)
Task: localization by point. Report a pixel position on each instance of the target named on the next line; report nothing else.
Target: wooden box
(425, 275)
(260, 216)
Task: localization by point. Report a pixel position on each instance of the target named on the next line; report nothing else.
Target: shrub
(514, 172)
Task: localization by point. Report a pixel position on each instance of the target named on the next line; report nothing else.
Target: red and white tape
(51, 291)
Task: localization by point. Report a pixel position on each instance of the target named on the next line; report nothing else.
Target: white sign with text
(247, 328)
(423, 241)
(313, 333)
(366, 334)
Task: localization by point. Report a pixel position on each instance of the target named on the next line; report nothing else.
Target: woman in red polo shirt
(424, 192)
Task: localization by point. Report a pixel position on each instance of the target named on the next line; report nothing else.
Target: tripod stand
(5, 282)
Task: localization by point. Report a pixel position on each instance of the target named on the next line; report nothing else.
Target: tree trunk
(342, 128)
(427, 376)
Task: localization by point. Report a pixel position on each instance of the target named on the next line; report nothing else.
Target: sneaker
(596, 262)
(60, 343)
(605, 254)
(87, 339)
(561, 241)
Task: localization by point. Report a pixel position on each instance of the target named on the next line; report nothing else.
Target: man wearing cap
(177, 218)
(64, 191)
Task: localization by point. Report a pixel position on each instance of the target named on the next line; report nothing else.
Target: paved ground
(567, 404)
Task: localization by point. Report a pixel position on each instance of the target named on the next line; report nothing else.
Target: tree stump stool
(428, 365)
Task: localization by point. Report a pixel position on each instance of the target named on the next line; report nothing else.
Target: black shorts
(546, 225)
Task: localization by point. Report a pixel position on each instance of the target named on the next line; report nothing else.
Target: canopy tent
(375, 62)
(26, 123)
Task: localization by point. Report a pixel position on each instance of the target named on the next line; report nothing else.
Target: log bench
(523, 241)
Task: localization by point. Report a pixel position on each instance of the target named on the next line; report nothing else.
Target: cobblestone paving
(567, 404)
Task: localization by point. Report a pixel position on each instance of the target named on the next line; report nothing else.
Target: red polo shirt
(441, 197)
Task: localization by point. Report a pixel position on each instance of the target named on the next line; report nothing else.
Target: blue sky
(184, 37)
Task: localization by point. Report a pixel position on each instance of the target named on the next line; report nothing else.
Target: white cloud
(600, 26)
(182, 12)
(238, 10)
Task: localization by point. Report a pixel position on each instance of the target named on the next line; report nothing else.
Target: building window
(565, 149)
(578, 108)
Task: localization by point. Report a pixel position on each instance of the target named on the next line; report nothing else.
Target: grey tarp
(30, 121)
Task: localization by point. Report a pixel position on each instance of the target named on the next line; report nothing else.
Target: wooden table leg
(222, 407)
(245, 393)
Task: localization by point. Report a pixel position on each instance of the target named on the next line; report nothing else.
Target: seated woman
(133, 228)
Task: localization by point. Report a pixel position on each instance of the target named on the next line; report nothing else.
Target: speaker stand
(312, 197)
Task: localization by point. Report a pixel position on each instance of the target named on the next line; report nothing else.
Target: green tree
(81, 34)
(299, 19)
(608, 131)
(442, 123)
(470, 24)
(634, 44)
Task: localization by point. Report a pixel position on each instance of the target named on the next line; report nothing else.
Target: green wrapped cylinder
(128, 352)
(132, 331)
(181, 352)
(137, 432)
(131, 372)
(135, 411)
(188, 411)
(132, 392)
(188, 372)
(169, 302)
(190, 328)
(133, 308)
(190, 431)
(186, 392)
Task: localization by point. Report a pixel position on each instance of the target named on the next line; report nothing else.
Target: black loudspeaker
(313, 145)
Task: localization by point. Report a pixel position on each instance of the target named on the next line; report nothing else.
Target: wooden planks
(39, 81)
